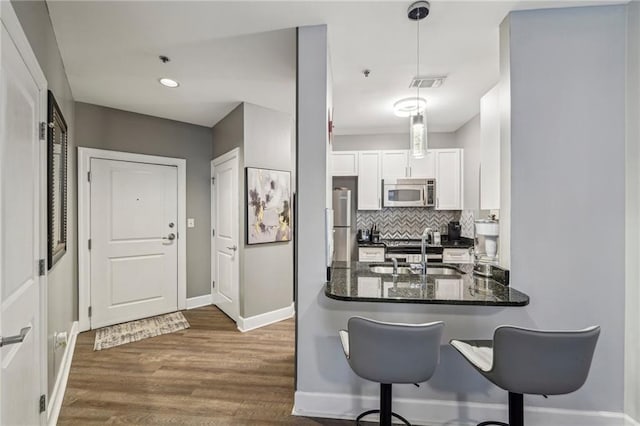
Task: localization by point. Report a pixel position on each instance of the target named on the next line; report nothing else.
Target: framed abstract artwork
(268, 205)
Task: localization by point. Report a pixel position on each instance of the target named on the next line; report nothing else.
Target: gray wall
(632, 296)
(568, 178)
(268, 276)
(116, 130)
(389, 141)
(62, 281)
(566, 148)
(264, 137)
(228, 133)
(312, 345)
(468, 138)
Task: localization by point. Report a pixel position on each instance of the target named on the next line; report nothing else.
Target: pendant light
(418, 121)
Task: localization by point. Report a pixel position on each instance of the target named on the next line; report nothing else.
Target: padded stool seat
(389, 353)
(523, 361)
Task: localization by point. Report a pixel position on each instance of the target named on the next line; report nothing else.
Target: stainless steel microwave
(409, 192)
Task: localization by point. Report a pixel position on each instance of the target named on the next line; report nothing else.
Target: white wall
(566, 148)
(632, 267)
(468, 138)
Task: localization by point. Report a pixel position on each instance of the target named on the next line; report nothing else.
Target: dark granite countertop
(353, 281)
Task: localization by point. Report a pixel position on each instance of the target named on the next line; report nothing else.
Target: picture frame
(57, 154)
(268, 206)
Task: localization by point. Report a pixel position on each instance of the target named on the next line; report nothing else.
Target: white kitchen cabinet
(449, 182)
(424, 167)
(490, 150)
(370, 254)
(344, 163)
(395, 164)
(369, 180)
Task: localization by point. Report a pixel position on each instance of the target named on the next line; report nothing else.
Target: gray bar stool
(389, 353)
(523, 361)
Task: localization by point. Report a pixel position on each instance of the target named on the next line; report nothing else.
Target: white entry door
(134, 247)
(225, 219)
(20, 232)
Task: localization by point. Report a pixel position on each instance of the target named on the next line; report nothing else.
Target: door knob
(171, 224)
(233, 248)
(170, 237)
(18, 338)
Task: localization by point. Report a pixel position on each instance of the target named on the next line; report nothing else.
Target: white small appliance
(486, 239)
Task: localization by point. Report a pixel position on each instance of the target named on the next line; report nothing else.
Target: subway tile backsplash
(406, 222)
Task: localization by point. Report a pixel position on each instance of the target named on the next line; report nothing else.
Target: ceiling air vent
(426, 82)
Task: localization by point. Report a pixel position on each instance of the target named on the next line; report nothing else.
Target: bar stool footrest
(397, 416)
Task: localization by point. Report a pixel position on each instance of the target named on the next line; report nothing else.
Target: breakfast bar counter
(443, 285)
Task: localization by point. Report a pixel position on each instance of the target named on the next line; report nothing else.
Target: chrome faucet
(395, 266)
(423, 250)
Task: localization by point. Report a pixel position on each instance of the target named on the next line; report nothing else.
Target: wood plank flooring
(210, 374)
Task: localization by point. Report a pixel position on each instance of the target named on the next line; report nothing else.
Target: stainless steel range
(408, 250)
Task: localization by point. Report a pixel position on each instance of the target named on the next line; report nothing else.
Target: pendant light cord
(418, 65)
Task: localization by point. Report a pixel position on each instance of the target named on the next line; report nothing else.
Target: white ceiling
(224, 53)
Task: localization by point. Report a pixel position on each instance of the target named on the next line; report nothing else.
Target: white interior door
(134, 250)
(20, 233)
(225, 219)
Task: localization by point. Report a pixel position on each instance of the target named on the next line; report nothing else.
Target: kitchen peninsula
(443, 285)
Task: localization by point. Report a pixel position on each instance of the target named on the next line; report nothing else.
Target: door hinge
(213, 181)
(89, 243)
(41, 267)
(213, 284)
(43, 403)
(43, 130)
(89, 311)
(213, 232)
(89, 176)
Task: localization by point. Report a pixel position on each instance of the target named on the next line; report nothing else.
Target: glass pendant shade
(418, 135)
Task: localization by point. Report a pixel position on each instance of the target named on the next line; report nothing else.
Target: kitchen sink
(442, 270)
(404, 270)
(383, 269)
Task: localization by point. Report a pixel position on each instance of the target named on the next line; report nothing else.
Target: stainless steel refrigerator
(342, 232)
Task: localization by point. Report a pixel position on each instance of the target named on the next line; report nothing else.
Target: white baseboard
(257, 321)
(199, 301)
(444, 413)
(57, 395)
(628, 421)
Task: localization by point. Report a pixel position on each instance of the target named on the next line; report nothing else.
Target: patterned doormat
(120, 334)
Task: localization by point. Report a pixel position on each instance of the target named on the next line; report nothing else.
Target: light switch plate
(191, 222)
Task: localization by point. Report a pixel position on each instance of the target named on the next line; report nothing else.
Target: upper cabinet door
(344, 163)
(369, 180)
(424, 167)
(449, 179)
(490, 150)
(395, 164)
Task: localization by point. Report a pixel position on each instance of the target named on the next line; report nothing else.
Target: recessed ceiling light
(409, 106)
(169, 83)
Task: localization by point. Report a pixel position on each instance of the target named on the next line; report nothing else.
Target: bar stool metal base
(516, 412)
(397, 416)
(385, 408)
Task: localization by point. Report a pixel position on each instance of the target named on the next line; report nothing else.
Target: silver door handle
(12, 340)
(233, 248)
(170, 237)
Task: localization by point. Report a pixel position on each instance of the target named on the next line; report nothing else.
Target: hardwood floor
(210, 374)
